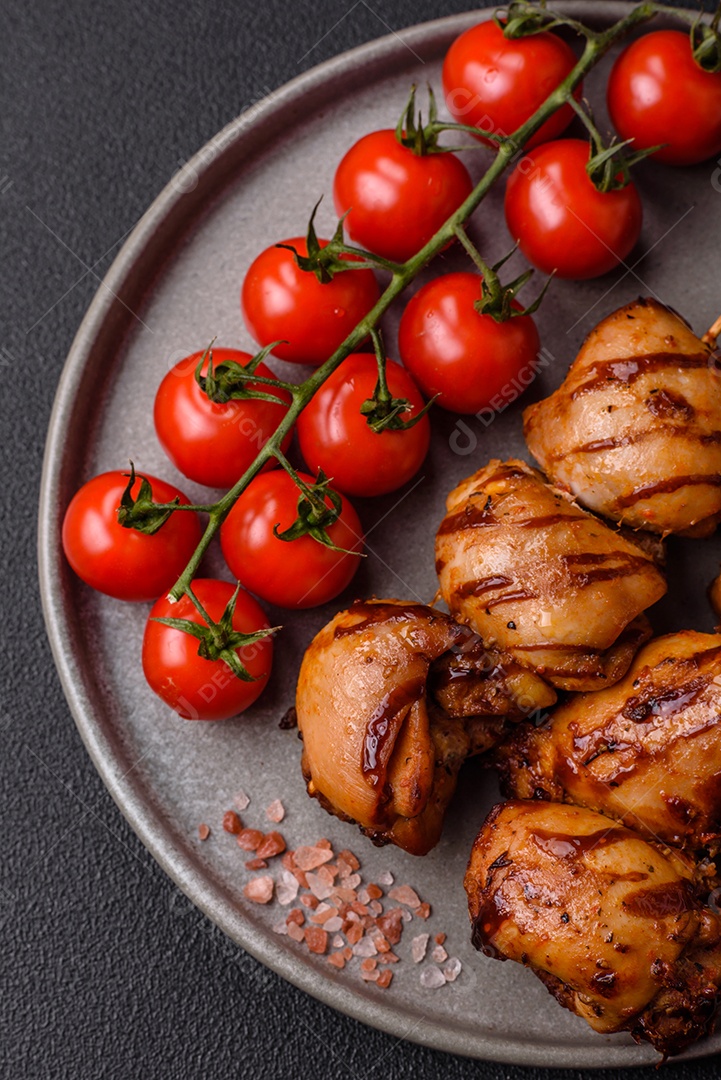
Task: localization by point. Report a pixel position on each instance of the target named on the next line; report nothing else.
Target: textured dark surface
(106, 970)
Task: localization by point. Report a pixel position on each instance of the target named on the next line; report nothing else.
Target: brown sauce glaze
(391, 613)
(661, 901)
(482, 585)
(515, 594)
(494, 911)
(628, 370)
(544, 522)
(469, 517)
(666, 702)
(667, 405)
(626, 565)
(380, 726)
(567, 846)
(664, 487)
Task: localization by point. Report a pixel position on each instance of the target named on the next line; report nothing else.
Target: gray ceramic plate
(175, 285)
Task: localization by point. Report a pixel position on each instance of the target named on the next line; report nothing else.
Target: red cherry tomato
(561, 221)
(496, 83)
(335, 437)
(196, 688)
(299, 573)
(282, 302)
(657, 93)
(397, 199)
(209, 442)
(470, 360)
(123, 562)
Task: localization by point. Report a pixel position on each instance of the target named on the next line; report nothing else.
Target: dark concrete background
(106, 971)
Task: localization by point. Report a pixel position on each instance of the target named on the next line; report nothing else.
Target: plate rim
(177, 209)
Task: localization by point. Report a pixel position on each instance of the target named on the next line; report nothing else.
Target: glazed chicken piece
(611, 923)
(634, 432)
(647, 751)
(378, 748)
(542, 580)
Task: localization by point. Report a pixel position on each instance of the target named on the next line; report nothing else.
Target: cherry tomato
(496, 83)
(214, 443)
(335, 437)
(470, 360)
(123, 562)
(196, 688)
(561, 221)
(657, 93)
(397, 199)
(282, 302)
(298, 573)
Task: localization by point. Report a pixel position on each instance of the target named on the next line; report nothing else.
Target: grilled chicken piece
(611, 924)
(378, 748)
(540, 579)
(634, 432)
(647, 751)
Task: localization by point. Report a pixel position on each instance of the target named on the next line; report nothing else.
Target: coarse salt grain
(242, 801)
(366, 946)
(439, 954)
(338, 942)
(432, 978)
(275, 812)
(384, 978)
(337, 960)
(256, 864)
(320, 889)
(287, 888)
(203, 832)
(231, 822)
(419, 945)
(295, 932)
(452, 969)
(316, 939)
(334, 923)
(260, 889)
(310, 858)
(385, 877)
(249, 839)
(404, 894)
(271, 844)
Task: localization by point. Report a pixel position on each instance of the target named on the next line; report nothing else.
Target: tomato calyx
(315, 516)
(383, 412)
(609, 167)
(219, 640)
(229, 380)
(497, 299)
(523, 18)
(706, 42)
(141, 513)
(326, 260)
(422, 139)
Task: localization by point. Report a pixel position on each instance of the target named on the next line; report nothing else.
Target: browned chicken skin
(647, 751)
(539, 578)
(634, 432)
(383, 701)
(611, 923)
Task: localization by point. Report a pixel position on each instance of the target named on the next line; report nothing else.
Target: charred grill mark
(568, 846)
(469, 517)
(625, 565)
(544, 522)
(514, 594)
(664, 703)
(482, 585)
(391, 613)
(667, 405)
(628, 370)
(663, 487)
(621, 441)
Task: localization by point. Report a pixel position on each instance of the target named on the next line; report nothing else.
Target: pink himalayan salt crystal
(439, 954)
(260, 889)
(310, 858)
(275, 812)
(364, 948)
(296, 932)
(287, 888)
(320, 889)
(384, 878)
(242, 801)
(452, 969)
(404, 894)
(281, 927)
(419, 946)
(432, 978)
